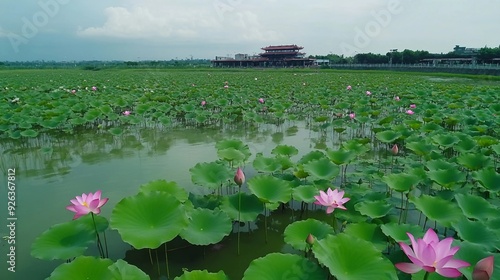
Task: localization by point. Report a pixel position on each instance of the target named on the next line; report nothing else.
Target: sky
(73, 30)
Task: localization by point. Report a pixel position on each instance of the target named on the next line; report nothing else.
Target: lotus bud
(239, 177)
(310, 239)
(483, 269)
(395, 149)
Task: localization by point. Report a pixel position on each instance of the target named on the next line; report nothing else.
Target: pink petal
(406, 249)
(408, 267)
(443, 248)
(330, 209)
(340, 206)
(71, 208)
(93, 204)
(428, 255)
(454, 263)
(430, 236)
(103, 201)
(344, 200)
(449, 272)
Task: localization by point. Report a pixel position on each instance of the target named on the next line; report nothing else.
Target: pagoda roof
(282, 47)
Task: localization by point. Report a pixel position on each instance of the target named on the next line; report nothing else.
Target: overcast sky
(66, 30)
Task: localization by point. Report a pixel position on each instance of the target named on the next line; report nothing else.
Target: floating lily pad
(401, 182)
(29, 133)
(305, 193)
(341, 156)
(398, 231)
(235, 144)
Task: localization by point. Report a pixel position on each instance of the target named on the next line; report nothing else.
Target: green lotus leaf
(473, 253)
(116, 131)
(438, 209)
(447, 178)
(466, 144)
(231, 154)
(202, 274)
(121, 270)
(476, 207)
(439, 164)
(209, 201)
(373, 209)
(474, 161)
(488, 178)
(305, 193)
(486, 140)
(445, 140)
(166, 121)
(169, 187)
(206, 227)
(29, 133)
(421, 148)
(496, 149)
(341, 156)
(348, 257)
(296, 233)
(265, 164)
(77, 121)
(313, 155)
(210, 175)
(285, 162)
(83, 268)
(322, 169)
(235, 144)
(147, 220)
(398, 231)
(478, 233)
(401, 182)
(270, 189)
(388, 136)
(369, 232)
(285, 150)
(431, 127)
(251, 207)
(64, 241)
(358, 146)
(283, 266)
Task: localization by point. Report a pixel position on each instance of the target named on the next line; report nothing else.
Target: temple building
(273, 56)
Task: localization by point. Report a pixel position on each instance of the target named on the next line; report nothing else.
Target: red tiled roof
(283, 47)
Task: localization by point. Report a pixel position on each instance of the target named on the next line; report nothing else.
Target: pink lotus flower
(239, 177)
(226, 86)
(368, 92)
(413, 106)
(261, 100)
(310, 239)
(82, 205)
(94, 88)
(431, 255)
(410, 112)
(395, 149)
(73, 91)
(203, 103)
(126, 113)
(349, 88)
(483, 269)
(352, 115)
(331, 199)
(396, 98)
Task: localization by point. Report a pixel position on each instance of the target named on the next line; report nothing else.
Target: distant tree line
(96, 65)
(483, 55)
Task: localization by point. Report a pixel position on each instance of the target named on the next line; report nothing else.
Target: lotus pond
(411, 152)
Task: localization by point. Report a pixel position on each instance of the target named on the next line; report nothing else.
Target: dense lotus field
(415, 153)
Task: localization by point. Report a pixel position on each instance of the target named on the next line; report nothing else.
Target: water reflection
(54, 167)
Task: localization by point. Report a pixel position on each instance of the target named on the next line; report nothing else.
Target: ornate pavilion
(273, 56)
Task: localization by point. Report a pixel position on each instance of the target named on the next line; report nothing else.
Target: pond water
(52, 169)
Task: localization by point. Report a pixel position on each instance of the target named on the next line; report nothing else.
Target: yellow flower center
(85, 204)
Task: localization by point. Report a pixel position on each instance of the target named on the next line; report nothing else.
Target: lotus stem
(166, 261)
(426, 275)
(99, 244)
(265, 220)
(157, 263)
(239, 218)
(150, 257)
(106, 243)
(401, 211)
(334, 223)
